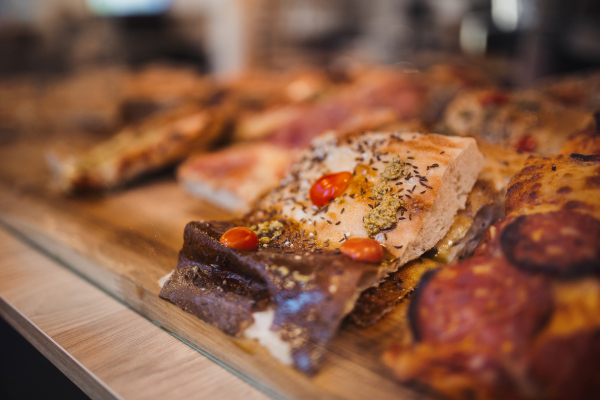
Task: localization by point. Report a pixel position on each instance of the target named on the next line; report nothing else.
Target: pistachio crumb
(394, 170)
(383, 216)
(380, 191)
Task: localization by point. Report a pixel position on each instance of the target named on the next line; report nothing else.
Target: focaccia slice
(427, 178)
(137, 149)
(234, 178)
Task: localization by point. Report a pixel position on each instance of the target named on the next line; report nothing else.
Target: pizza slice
(383, 94)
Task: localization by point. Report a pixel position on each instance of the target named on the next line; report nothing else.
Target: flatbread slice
(137, 149)
(236, 177)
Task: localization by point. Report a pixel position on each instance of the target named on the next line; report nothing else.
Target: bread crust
(137, 149)
(556, 182)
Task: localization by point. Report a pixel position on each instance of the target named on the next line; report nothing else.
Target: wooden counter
(107, 349)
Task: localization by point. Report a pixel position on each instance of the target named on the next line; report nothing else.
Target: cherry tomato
(363, 249)
(240, 238)
(526, 143)
(329, 187)
(494, 99)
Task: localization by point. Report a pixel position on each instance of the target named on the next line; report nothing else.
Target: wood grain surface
(107, 349)
(127, 240)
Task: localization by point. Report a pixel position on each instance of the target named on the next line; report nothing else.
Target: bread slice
(439, 174)
(137, 149)
(484, 206)
(234, 178)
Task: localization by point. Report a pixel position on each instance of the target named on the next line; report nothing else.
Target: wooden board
(126, 241)
(107, 349)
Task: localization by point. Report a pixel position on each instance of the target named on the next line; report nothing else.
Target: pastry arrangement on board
(482, 202)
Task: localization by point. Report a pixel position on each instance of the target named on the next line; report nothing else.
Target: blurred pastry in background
(521, 120)
(235, 177)
(137, 149)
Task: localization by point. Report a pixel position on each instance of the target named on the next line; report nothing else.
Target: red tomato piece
(240, 238)
(363, 249)
(527, 144)
(329, 187)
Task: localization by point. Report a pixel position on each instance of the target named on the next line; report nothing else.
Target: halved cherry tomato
(363, 249)
(494, 99)
(329, 187)
(526, 143)
(240, 238)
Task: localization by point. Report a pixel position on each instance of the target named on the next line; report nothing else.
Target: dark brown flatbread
(310, 291)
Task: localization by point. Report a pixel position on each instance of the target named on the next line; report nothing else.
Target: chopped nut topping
(380, 191)
(396, 169)
(383, 216)
(265, 228)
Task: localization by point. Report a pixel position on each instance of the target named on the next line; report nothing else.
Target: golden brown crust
(137, 149)
(554, 183)
(586, 142)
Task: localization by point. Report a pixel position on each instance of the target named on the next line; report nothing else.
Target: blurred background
(77, 64)
(74, 65)
(531, 38)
